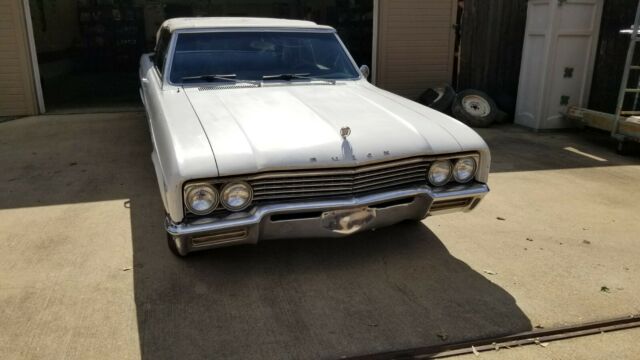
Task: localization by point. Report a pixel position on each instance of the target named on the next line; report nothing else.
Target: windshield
(201, 57)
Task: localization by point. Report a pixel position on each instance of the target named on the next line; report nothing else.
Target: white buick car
(266, 128)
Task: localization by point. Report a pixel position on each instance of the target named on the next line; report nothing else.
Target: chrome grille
(338, 182)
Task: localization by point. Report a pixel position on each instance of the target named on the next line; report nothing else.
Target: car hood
(286, 126)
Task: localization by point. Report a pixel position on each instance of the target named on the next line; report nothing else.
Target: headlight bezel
(227, 186)
(449, 175)
(473, 171)
(192, 187)
(218, 186)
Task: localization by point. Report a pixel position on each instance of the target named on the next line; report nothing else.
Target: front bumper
(307, 219)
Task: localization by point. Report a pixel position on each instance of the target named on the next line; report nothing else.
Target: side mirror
(364, 69)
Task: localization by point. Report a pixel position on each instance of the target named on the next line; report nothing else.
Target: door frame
(374, 41)
(35, 69)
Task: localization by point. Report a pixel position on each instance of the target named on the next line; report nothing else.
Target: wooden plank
(629, 127)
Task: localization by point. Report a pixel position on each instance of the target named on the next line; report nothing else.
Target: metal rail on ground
(539, 337)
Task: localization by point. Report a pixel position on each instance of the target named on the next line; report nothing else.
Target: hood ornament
(345, 131)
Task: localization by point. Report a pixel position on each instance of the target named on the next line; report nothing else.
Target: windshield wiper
(289, 77)
(225, 77)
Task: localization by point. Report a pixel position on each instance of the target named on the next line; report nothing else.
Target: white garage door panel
(415, 44)
(17, 96)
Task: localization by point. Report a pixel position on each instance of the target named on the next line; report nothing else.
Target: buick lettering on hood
(266, 128)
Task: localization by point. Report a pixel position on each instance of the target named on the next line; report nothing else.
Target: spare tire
(438, 98)
(474, 108)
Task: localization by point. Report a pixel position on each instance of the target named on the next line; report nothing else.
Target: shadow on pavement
(391, 289)
(514, 148)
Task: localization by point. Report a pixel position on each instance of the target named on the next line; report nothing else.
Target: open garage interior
(88, 50)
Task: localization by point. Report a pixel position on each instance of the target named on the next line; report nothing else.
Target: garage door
(17, 95)
(415, 44)
(83, 43)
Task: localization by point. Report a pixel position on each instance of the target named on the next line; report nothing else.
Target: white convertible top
(238, 22)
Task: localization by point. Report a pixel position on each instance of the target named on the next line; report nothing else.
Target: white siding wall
(415, 44)
(17, 95)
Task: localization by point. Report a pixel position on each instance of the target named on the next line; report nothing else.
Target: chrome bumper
(305, 219)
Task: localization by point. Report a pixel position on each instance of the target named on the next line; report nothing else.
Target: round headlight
(201, 199)
(464, 170)
(440, 172)
(236, 196)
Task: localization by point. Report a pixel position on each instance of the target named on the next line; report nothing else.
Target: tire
(438, 98)
(173, 246)
(474, 108)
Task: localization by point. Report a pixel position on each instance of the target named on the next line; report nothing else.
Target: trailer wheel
(474, 108)
(438, 98)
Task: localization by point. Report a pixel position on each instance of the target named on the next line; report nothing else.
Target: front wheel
(176, 247)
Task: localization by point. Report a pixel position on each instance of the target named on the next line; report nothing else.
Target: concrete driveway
(85, 272)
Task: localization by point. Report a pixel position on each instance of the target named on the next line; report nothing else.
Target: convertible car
(266, 128)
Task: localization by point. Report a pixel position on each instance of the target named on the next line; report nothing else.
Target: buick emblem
(345, 131)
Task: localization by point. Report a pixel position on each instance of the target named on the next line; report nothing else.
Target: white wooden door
(557, 62)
